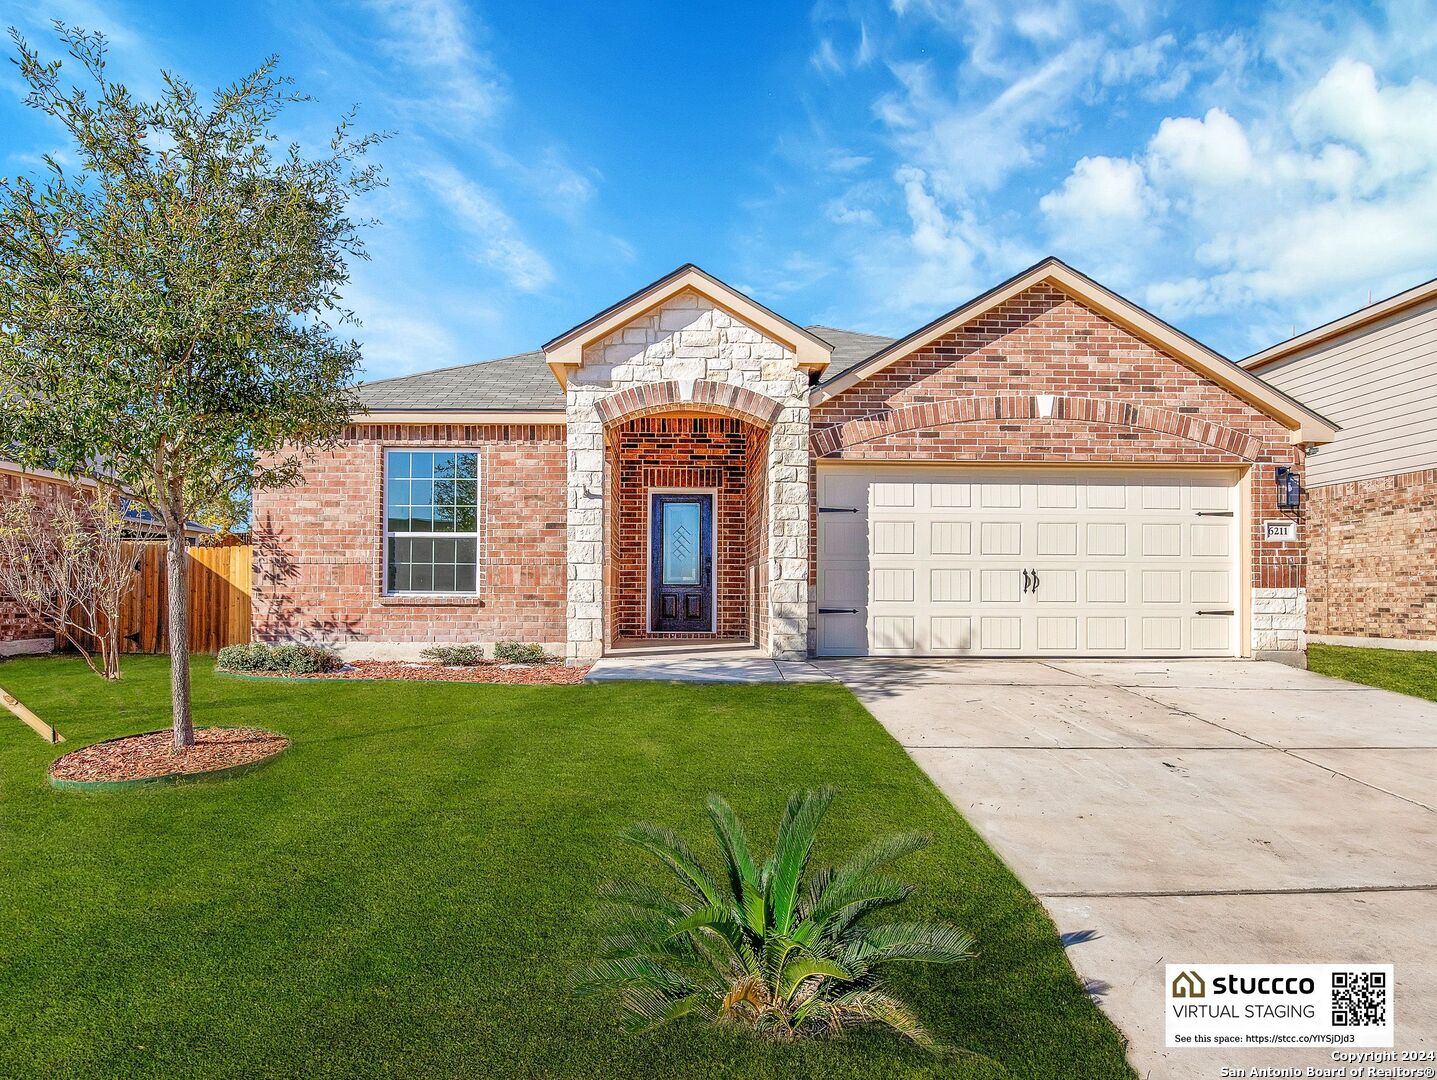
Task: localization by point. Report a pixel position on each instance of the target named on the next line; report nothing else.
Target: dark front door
(681, 563)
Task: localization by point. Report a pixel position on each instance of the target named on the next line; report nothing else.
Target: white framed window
(431, 521)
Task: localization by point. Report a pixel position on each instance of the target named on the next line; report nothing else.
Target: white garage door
(994, 562)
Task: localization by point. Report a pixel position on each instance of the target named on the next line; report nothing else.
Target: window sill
(431, 600)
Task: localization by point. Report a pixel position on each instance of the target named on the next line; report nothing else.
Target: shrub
(788, 952)
(261, 658)
(455, 655)
(515, 652)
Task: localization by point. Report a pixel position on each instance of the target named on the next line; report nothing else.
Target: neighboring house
(1046, 470)
(1372, 519)
(20, 632)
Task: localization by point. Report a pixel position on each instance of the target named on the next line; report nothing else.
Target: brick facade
(1372, 560)
(1043, 378)
(686, 395)
(683, 452)
(319, 546)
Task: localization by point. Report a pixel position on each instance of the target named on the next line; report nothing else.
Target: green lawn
(405, 892)
(1412, 673)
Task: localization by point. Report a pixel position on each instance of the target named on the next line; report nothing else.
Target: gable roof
(566, 352)
(1306, 426)
(524, 383)
(1365, 316)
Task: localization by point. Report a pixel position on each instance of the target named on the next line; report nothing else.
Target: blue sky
(1241, 169)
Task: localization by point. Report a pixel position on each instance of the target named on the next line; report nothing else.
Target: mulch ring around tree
(152, 757)
(413, 671)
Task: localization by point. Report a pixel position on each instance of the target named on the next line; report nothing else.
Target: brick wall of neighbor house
(1372, 562)
(971, 397)
(681, 452)
(319, 550)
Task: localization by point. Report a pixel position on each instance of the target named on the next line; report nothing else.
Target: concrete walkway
(1191, 812)
(720, 663)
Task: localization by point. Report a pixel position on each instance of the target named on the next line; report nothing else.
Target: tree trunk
(177, 565)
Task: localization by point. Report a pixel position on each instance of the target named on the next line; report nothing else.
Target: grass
(405, 892)
(1412, 673)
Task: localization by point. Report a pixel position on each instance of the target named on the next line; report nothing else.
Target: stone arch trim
(703, 395)
(829, 440)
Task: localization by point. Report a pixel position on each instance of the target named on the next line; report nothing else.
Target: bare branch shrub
(64, 560)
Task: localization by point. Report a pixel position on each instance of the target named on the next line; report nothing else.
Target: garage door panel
(990, 561)
(1058, 586)
(948, 586)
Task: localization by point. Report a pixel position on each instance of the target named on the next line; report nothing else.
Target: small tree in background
(164, 310)
(65, 561)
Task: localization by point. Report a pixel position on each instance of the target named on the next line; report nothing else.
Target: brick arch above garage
(1034, 416)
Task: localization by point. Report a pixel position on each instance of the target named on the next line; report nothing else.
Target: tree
(168, 310)
(65, 561)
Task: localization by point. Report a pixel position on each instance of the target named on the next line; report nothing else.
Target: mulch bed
(151, 756)
(488, 672)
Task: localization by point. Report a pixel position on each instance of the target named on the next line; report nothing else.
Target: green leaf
(796, 834)
(669, 848)
(743, 876)
(803, 968)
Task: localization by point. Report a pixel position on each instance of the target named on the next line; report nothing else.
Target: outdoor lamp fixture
(1289, 488)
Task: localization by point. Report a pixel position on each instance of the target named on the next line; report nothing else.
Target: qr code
(1359, 998)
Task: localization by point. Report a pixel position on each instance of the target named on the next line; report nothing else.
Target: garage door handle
(838, 509)
(1036, 582)
(1214, 513)
(1226, 611)
(1027, 584)
(838, 611)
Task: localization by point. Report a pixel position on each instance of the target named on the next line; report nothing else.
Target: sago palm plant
(789, 950)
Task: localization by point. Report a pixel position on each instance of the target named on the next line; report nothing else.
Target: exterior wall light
(1289, 488)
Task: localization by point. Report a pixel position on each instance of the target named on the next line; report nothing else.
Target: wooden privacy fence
(219, 587)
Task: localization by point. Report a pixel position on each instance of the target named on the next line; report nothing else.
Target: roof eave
(1346, 324)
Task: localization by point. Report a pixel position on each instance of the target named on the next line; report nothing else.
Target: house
(1372, 493)
(1045, 470)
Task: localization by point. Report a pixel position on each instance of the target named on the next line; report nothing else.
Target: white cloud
(1100, 190)
(433, 38)
(1212, 151)
(499, 244)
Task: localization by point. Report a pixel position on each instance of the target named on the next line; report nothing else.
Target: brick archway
(863, 429)
(702, 395)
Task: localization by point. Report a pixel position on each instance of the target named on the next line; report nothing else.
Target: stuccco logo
(1189, 984)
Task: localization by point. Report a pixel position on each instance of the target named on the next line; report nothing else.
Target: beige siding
(1380, 384)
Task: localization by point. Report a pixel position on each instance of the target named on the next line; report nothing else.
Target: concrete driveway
(1191, 812)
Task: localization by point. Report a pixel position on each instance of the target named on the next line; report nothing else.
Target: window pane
(444, 465)
(464, 578)
(421, 577)
(422, 550)
(681, 543)
(397, 523)
(466, 551)
(398, 491)
(444, 519)
(465, 519)
(421, 493)
(466, 465)
(466, 492)
(421, 465)
(398, 463)
(444, 577)
(420, 519)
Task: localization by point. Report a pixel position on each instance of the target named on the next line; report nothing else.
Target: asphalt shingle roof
(524, 382)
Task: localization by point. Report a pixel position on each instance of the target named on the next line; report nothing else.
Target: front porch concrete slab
(702, 664)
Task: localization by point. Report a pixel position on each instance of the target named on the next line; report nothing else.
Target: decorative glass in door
(681, 563)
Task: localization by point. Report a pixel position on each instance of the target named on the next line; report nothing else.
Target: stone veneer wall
(972, 396)
(686, 339)
(1372, 567)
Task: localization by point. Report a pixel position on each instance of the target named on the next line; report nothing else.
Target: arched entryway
(686, 525)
